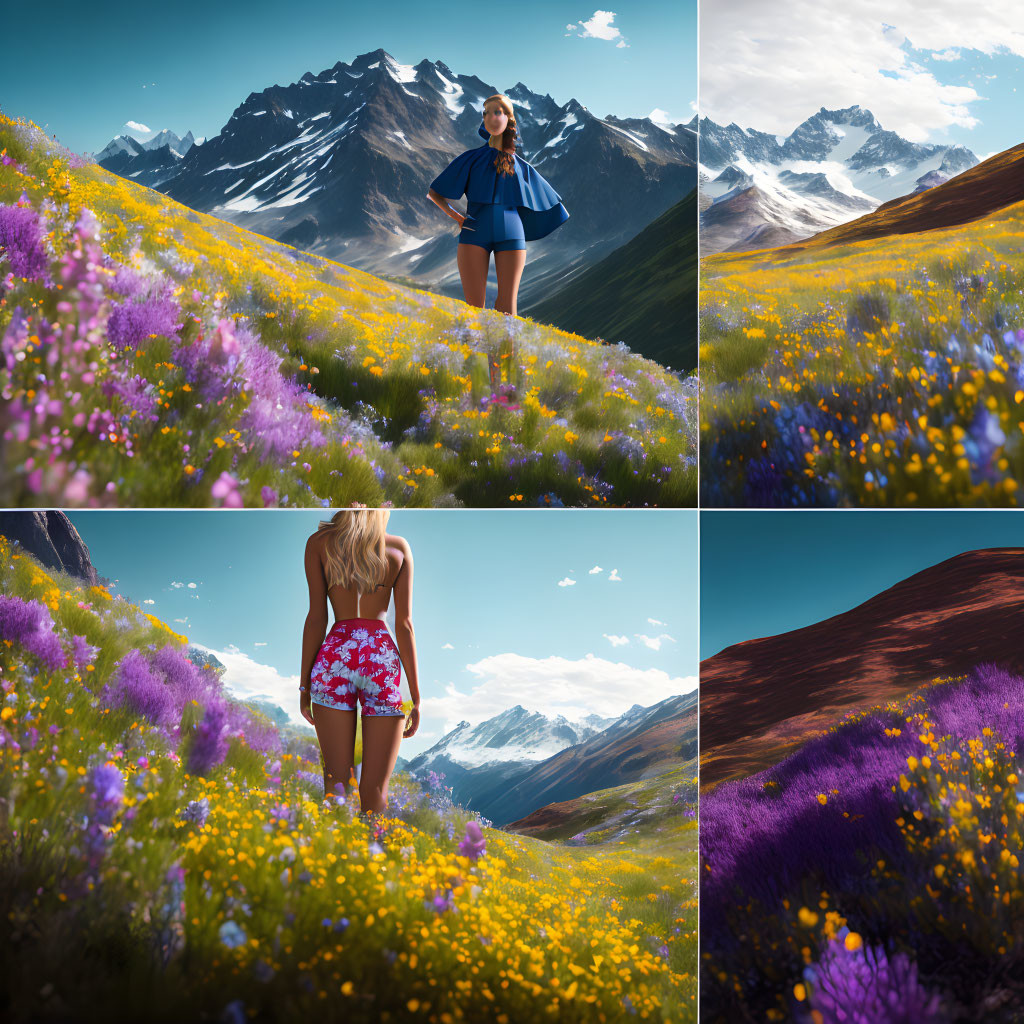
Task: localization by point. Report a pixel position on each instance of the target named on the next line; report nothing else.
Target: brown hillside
(762, 698)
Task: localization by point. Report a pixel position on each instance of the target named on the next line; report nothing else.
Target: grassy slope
(397, 358)
(775, 333)
(539, 905)
(644, 293)
(639, 809)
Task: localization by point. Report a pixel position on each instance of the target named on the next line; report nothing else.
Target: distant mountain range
(762, 698)
(760, 190)
(519, 760)
(339, 164)
(983, 190)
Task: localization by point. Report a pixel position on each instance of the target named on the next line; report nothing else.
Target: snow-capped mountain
(515, 735)
(520, 760)
(339, 164)
(151, 163)
(837, 165)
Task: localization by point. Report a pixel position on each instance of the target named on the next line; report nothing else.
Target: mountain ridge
(348, 154)
(943, 619)
(835, 165)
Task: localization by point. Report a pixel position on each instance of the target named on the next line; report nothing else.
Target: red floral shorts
(358, 661)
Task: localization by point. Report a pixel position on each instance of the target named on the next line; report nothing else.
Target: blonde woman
(509, 204)
(355, 564)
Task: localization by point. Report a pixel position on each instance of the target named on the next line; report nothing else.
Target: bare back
(348, 603)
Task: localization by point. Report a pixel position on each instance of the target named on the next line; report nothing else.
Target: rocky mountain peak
(52, 538)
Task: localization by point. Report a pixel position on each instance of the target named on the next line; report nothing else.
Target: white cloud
(598, 26)
(149, 600)
(748, 56)
(259, 643)
(656, 622)
(447, 647)
(614, 577)
(179, 585)
(659, 116)
(654, 642)
(191, 586)
(595, 570)
(567, 582)
(616, 641)
(136, 126)
(246, 678)
(947, 55)
(183, 621)
(553, 686)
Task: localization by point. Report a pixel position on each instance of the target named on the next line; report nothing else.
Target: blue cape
(473, 173)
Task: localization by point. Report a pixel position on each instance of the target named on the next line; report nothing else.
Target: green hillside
(204, 364)
(644, 293)
(164, 855)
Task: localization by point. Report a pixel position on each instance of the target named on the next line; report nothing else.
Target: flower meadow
(167, 853)
(151, 355)
(884, 372)
(873, 876)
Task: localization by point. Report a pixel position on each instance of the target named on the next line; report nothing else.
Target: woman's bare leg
(336, 733)
(509, 266)
(382, 736)
(473, 262)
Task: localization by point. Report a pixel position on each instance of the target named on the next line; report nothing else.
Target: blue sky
(91, 70)
(998, 79)
(487, 583)
(767, 572)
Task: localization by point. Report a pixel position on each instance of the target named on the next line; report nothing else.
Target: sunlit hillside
(156, 356)
(657, 813)
(164, 856)
(883, 371)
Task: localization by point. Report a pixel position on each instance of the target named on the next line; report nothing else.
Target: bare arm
(442, 204)
(404, 633)
(316, 620)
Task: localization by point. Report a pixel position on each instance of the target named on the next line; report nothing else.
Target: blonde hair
(505, 162)
(355, 548)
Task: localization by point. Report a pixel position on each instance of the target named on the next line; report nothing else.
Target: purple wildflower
(441, 902)
(21, 241)
(29, 623)
(863, 986)
(132, 322)
(473, 844)
(82, 652)
(107, 790)
(134, 685)
(210, 744)
(197, 811)
(137, 393)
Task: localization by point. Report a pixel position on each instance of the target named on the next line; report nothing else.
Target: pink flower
(225, 490)
(224, 344)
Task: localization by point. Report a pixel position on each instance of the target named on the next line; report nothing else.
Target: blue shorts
(493, 227)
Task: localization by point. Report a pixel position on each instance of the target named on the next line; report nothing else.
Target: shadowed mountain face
(642, 743)
(500, 767)
(762, 698)
(339, 164)
(644, 294)
(991, 185)
(53, 539)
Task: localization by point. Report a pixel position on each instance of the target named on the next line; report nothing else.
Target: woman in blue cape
(509, 204)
